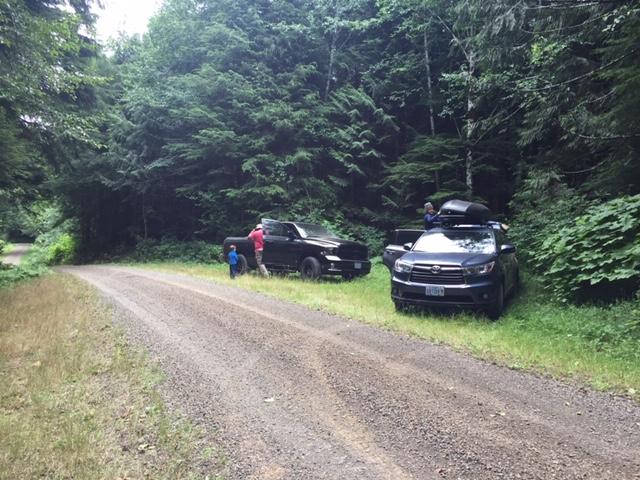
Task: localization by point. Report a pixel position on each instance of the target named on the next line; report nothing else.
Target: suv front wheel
(496, 307)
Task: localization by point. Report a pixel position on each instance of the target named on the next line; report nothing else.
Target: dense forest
(351, 113)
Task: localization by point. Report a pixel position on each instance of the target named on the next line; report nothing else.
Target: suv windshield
(311, 230)
(456, 242)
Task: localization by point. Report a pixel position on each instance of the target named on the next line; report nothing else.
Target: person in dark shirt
(431, 217)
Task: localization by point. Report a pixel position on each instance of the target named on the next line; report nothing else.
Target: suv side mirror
(407, 246)
(507, 248)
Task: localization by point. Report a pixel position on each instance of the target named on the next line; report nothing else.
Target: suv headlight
(483, 269)
(330, 251)
(402, 267)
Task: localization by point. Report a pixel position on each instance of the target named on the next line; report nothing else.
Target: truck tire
(243, 265)
(401, 307)
(310, 269)
(497, 306)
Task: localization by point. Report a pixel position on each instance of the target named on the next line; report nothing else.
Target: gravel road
(298, 394)
(15, 257)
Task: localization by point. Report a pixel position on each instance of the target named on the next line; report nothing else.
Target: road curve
(15, 257)
(299, 394)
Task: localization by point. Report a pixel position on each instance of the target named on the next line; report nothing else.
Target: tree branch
(585, 75)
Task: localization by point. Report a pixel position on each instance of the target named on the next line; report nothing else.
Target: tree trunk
(427, 63)
(332, 55)
(471, 124)
(144, 215)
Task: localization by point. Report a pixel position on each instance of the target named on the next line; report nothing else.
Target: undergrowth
(168, 249)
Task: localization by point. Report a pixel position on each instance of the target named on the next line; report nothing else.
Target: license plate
(357, 265)
(435, 291)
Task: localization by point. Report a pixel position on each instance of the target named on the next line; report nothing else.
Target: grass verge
(593, 345)
(77, 402)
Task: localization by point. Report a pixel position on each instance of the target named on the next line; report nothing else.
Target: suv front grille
(446, 276)
(349, 252)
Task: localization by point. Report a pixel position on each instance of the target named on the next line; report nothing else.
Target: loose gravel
(301, 394)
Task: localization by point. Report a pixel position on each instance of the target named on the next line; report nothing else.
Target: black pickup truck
(302, 247)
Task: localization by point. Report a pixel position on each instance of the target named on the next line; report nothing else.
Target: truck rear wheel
(243, 265)
(310, 269)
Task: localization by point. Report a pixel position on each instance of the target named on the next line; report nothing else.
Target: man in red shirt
(257, 236)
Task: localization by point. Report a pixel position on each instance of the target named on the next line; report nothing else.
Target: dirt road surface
(301, 394)
(15, 257)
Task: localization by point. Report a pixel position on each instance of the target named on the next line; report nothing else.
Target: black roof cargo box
(456, 212)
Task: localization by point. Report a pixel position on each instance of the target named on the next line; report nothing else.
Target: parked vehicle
(302, 247)
(396, 249)
(459, 264)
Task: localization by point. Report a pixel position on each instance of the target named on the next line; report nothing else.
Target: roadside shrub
(3, 244)
(62, 250)
(542, 207)
(32, 265)
(167, 249)
(597, 257)
(10, 275)
(57, 245)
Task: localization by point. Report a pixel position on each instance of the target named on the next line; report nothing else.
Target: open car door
(396, 249)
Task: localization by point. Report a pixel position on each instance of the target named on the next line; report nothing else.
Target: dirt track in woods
(298, 394)
(15, 256)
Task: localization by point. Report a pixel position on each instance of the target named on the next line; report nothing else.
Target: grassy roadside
(77, 402)
(593, 345)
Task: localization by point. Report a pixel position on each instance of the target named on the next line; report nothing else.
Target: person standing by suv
(257, 237)
(431, 217)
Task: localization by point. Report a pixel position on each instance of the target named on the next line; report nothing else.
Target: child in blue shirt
(233, 261)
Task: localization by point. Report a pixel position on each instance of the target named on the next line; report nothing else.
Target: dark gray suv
(470, 266)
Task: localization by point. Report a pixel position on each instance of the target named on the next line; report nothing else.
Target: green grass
(77, 402)
(593, 345)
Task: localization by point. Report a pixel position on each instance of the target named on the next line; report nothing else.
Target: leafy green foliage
(173, 250)
(47, 98)
(596, 257)
(11, 276)
(542, 206)
(62, 250)
(32, 265)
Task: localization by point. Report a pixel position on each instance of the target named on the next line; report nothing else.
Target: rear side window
(406, 236)
(276, 229)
